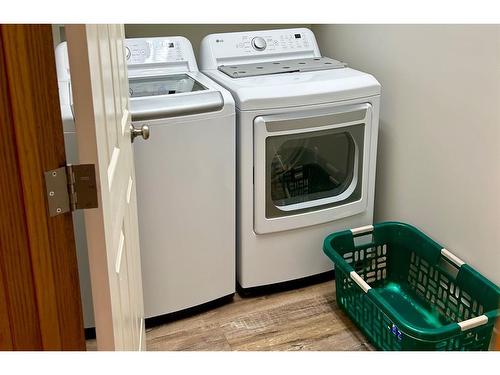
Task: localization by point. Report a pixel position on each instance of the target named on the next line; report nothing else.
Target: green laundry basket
(406, 292)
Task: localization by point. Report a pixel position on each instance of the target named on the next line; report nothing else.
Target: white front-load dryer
(307, 130)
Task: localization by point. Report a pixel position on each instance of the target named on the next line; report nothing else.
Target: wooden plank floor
(301, 319)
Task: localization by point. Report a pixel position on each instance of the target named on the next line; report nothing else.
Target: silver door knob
(143, 131)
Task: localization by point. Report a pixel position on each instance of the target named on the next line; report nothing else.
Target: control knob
(259, 43)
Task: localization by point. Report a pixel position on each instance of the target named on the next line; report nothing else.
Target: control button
(127, 53)
(259, 43)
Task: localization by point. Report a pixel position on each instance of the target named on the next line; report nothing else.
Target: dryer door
(310, 167)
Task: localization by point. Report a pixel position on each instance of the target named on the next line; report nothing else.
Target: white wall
(439, 144)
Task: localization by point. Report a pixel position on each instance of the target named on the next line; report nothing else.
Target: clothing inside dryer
(311, 167)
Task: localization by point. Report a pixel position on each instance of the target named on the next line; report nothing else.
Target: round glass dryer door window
(307, 170)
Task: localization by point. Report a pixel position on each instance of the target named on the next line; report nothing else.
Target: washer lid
(158, 107)
(163, 85)
(173, 95)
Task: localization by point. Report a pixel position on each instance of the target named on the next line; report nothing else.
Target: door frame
(38, 266)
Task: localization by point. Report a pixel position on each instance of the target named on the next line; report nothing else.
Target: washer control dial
(259, 43)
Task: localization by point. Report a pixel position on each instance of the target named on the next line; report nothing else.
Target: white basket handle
(452, 258)
(359, 280)
(362, 230)
(473, 322)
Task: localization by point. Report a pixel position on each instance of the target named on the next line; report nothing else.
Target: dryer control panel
(256, 46)
(266, 42)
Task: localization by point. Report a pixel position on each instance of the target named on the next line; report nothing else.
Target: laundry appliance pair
(262, 160)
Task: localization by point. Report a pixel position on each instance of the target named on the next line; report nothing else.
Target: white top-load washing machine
(185, 175)
(307, 130)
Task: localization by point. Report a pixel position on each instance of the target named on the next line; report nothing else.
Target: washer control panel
(159, 51)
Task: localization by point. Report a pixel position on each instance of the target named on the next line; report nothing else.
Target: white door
(102, 120)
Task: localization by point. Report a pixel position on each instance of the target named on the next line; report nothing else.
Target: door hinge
(71, 188)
